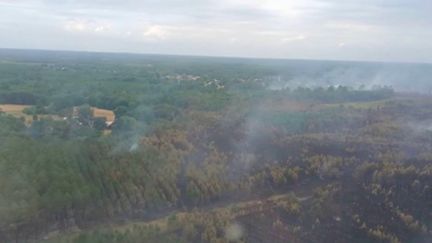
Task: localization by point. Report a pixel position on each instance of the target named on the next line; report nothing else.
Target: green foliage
(194, 133)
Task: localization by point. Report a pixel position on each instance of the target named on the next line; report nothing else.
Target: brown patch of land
(13, 109)
(107, 114)
(17, 111)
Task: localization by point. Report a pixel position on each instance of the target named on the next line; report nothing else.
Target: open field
(107, 114)
(17, 111)
(13, 109)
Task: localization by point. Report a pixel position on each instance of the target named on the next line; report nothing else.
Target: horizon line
(213, 56)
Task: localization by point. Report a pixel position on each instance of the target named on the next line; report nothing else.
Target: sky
(372, 30)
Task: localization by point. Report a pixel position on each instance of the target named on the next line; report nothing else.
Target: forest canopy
(180, 149)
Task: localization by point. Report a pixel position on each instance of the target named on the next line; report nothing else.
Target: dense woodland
(207, 150)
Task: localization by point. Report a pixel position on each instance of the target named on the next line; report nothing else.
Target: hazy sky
(394, 30)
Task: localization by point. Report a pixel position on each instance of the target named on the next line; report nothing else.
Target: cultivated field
(107, 114)
(17, 111)
(13, 109)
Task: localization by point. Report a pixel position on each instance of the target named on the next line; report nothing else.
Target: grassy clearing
(107, 114)
(17, 111)
(13, 109)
